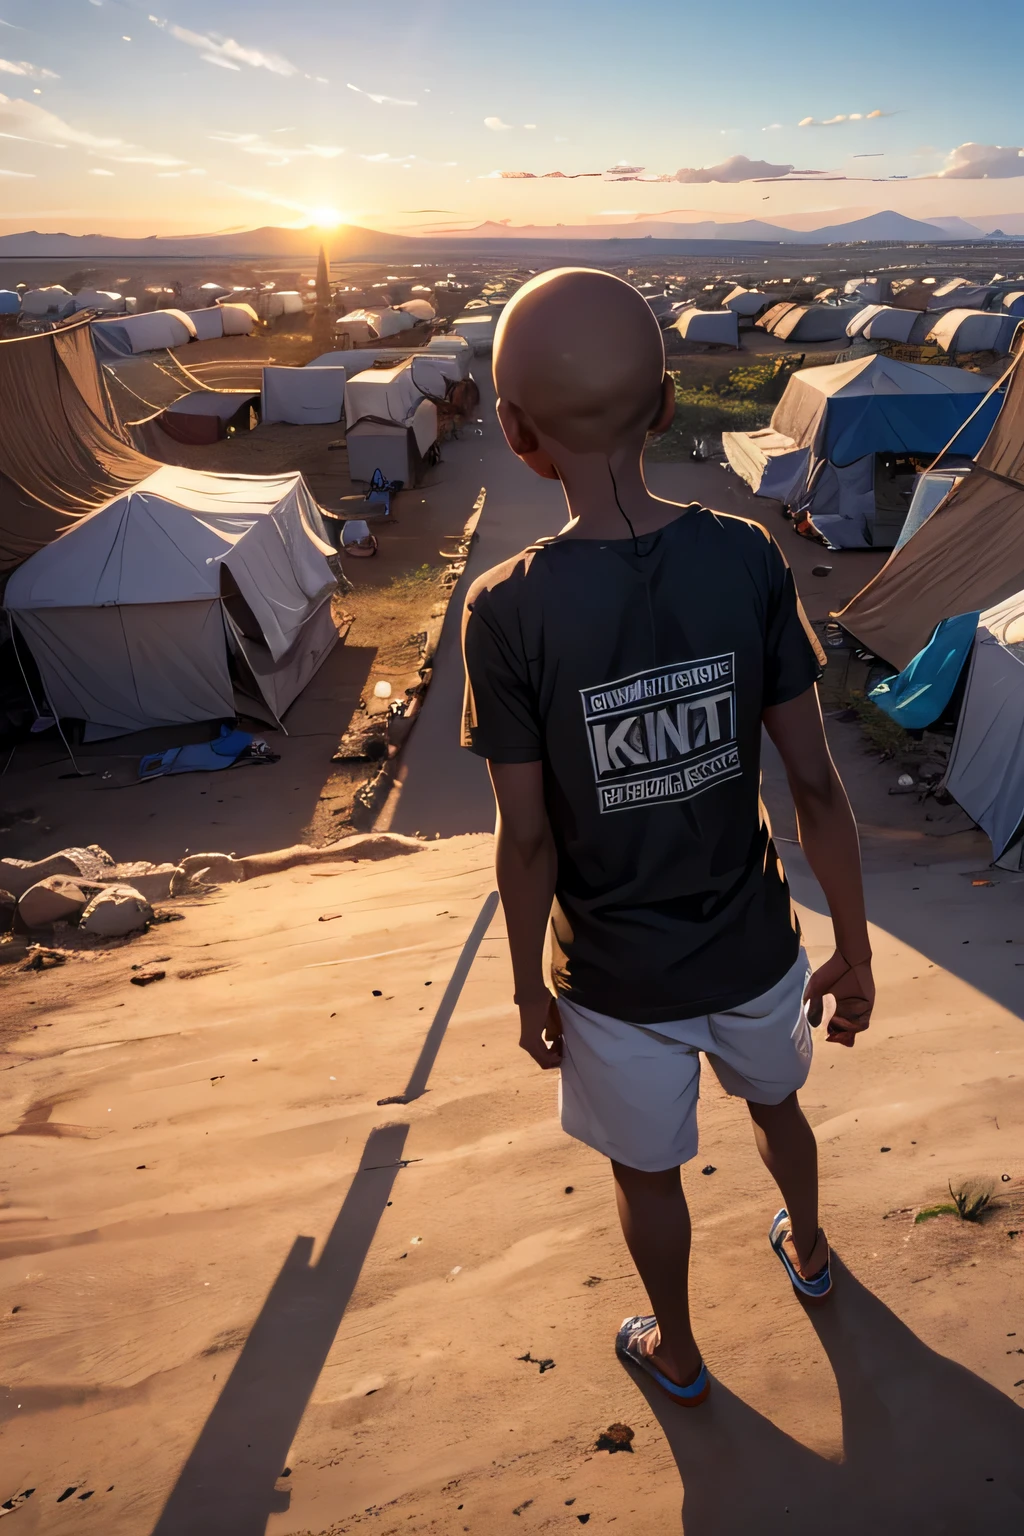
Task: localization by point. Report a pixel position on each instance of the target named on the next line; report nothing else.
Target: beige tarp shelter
(806, 322)
(883, 322)
(62, 450)
(968, 555)
(189, 598)
(746, 301)
(971, 330)
(716, 327)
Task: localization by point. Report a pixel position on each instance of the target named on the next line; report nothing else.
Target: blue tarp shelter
(10, 303)
(917, 696)
(877, 405)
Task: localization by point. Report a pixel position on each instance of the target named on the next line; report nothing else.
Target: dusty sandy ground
(223, 1259)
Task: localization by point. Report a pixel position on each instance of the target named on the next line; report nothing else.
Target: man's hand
(853, 989)
(537, 1020)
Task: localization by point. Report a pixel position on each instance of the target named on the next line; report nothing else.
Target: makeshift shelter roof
(806, 322)
(715, 326)
(969, 330)
(151, 332)
(968, 555)
(105, 302)
(1013, 303)
(746, 301)
(959, 293)
(47, 301)
(419, 309)
(877, 405)
(124, 613)
(883, 322)
(62, 450)
(238, 319)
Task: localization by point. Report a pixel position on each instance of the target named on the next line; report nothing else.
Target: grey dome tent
(970, 330)
(884, 322)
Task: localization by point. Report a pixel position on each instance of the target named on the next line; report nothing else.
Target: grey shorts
(631, 1090)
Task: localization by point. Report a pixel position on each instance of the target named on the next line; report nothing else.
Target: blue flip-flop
(627, 1347)
(816, 1288)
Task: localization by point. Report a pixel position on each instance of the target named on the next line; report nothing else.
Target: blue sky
(133, 118)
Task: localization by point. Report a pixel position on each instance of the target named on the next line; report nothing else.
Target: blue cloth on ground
(198, 756)
(917, 696)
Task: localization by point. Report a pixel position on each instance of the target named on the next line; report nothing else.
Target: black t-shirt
(637, 674)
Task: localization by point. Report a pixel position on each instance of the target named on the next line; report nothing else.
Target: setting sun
(326, 218)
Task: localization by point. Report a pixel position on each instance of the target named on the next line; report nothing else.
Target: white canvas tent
(238, 319)
(55, 301)
(718, 327)
(746, 302)
(208, 323)
(103, 302)
(285, 302)
(188, 598)
(152, 332)
(970, 330)
(883, 322)
(477, 327)
(986, 765)
(419, 309)
(391, 423)
(303, 396)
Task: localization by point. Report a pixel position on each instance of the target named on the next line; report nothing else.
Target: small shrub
(883, 734)
(971, 1200)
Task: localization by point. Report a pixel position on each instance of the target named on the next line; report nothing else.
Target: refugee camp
(511, 770)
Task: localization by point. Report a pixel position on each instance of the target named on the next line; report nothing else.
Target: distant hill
(350, 241)
(347, 240)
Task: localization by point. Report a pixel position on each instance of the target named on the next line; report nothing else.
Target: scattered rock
(545, 1365)
(520, 1507)
(617, 1437)
(885, 1149)
(115, 912)
(592, 1280)
(143, 978)
(582, 1519)
(204, 869)
(57, 899)
(821, 570)
(709, 1168)
(568, 1189)
(41, 959)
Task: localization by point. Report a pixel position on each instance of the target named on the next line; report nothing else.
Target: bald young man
(618, 676)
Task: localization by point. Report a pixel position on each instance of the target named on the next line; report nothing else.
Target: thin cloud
(843, 117)
(24, 120)
(20, 175)
(736, 168)
(24, 68)
(146, 159)
(382, 101)
(97, 170)
(496, 125)
(225, 51)
(276, 154)
(983, 162)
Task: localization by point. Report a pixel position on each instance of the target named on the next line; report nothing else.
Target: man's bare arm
(828, 836)
(525, 865)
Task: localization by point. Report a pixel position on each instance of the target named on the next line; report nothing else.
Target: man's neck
(607, 499)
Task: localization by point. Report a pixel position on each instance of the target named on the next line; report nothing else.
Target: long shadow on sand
(228, 1485)
(929, 1449)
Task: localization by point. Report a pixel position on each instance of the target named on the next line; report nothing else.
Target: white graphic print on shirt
(664, 734)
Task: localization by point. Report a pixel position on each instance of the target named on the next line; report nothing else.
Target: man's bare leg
(790, 1153)
(656, 1225)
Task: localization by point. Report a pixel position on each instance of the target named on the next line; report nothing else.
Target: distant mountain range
(350, 241)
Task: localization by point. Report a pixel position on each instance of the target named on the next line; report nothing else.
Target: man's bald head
(580, 354)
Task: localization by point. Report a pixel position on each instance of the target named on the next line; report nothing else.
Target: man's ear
(522, 439)
(666, 406)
